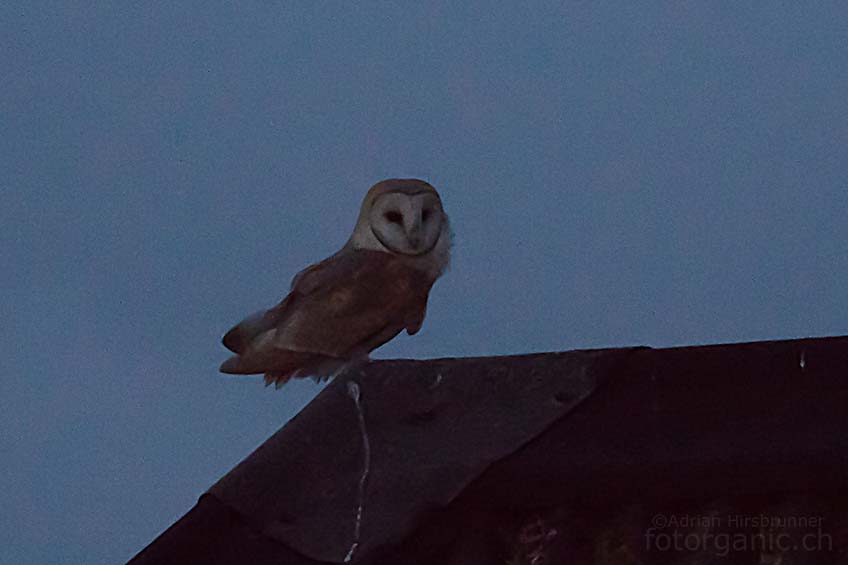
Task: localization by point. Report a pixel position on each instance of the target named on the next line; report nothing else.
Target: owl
(338, 310)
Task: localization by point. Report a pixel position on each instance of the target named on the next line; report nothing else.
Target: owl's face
(407, 223)
(403, 216)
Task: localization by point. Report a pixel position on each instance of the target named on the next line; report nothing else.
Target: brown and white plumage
(342, 308)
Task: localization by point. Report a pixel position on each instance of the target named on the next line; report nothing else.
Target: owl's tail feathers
(280, 367)
(278, 361)
(278, 373)
(278, 379)
(236, 365)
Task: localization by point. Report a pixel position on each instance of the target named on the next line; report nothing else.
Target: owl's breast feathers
(342, 307)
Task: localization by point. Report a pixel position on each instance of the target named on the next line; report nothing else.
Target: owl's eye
(394, 217)
(424, 215)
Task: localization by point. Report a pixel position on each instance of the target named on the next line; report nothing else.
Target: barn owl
(340, 309)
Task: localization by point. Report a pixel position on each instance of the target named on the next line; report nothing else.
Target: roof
(381, 464)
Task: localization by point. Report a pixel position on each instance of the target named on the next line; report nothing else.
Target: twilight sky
(616, 174)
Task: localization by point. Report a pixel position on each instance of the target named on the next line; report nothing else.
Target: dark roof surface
(358, 477)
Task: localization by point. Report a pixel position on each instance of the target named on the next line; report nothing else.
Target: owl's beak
(414, 236)
(413, 230)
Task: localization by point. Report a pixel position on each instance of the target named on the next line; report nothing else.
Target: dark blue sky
(616, 175)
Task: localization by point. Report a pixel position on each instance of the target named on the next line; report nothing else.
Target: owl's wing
(351, 300)
(240, 337)
(347, 305)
